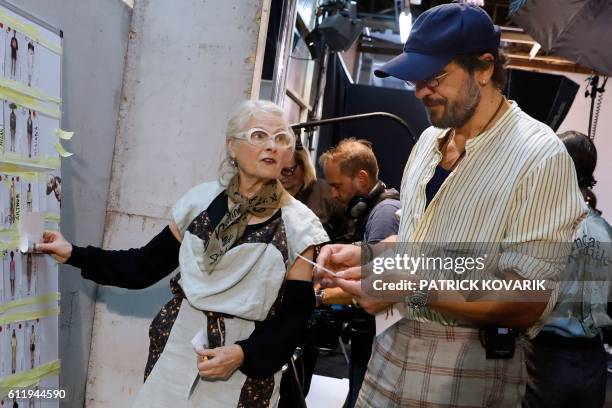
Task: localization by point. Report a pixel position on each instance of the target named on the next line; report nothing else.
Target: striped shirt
(515, 184)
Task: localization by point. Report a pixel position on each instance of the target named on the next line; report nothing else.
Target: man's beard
(458, 112)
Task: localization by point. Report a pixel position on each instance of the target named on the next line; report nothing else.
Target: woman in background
(300, 180)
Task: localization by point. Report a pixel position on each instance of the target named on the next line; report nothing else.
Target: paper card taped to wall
(31, 229)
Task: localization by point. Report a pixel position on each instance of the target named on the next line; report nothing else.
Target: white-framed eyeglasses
(431, 82)
(261, 137)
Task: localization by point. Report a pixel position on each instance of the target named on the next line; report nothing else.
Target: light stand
(593, 93)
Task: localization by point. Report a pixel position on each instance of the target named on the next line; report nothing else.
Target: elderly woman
(300, 180)
(237, 243)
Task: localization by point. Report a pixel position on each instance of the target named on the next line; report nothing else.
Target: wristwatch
(367, 255)
(417, 300)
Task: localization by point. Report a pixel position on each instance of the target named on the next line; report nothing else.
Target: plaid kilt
(417, 364)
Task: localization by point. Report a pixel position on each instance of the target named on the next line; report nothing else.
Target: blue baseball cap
(439, 35)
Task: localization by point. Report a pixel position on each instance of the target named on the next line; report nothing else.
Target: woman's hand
(336, 257)
(219, 363)
(55, 245)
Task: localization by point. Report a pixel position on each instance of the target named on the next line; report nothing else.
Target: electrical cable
(598, 108)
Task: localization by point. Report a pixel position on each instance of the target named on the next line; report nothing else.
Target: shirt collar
(485, 136)
(489, 134)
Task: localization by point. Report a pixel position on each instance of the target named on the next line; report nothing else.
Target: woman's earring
(233, 162)
(483, 82)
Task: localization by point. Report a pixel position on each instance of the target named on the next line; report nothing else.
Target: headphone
(359, 206)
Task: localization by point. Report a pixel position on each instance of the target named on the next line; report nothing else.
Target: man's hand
(336, 257)
(350, 281)
(219, 363)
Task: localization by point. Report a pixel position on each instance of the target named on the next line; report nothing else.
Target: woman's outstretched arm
(134, 268)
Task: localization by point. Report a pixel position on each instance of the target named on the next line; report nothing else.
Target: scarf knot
(233, 224)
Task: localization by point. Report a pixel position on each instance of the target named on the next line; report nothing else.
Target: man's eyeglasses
(260, 137)
(288, 171)
(431, 82)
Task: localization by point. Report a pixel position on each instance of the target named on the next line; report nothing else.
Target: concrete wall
(95, 43)
(578, 119)
(187, 67)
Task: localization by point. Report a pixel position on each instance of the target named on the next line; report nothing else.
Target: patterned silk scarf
(234, 222)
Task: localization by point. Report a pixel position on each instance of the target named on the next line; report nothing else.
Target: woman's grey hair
(237, 122)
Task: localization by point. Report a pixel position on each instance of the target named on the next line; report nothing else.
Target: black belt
(555, 340)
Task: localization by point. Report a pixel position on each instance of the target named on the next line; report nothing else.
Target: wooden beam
(298, 99)
(520, 61)
(517, 37)
(264, 17)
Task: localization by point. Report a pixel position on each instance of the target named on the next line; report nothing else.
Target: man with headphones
(351, 170)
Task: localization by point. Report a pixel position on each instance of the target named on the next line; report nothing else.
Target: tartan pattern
(429, 365)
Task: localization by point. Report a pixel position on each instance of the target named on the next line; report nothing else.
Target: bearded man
(485, 172)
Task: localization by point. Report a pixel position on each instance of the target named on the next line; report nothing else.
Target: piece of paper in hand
(31, 228)
(200, 340)
(316, 265)
(389, 317)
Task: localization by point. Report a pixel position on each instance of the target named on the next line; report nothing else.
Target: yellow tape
(28, 176)
(28, 378)
(29, 30)
(62, 134)
(12, 163)
(52, 217)
(33, 315)
(62, 152)
(18, 97)
(12, 234)
(28, 90)
(29, 102)
(31, 301)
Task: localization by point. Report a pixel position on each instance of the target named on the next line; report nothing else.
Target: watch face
(417, 300)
